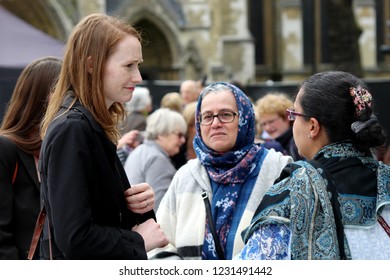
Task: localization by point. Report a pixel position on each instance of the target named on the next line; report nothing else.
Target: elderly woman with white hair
(138, 109)
(150, 162)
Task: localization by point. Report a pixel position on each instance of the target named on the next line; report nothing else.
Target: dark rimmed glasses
(224, 116)
(292, 115)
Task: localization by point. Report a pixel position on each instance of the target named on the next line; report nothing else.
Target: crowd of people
(209, 175)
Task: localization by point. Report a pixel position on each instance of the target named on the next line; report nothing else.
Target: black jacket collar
(78, 107)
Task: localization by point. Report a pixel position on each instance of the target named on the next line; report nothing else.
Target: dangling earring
(309, 136)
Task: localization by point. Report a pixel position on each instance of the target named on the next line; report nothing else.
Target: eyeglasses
(292, 115)
(179, 134)
(224, 116)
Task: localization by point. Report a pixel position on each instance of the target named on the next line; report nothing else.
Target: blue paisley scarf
(297, 212)
(229, 171)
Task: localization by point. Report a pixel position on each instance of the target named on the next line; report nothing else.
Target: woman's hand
(131, 139)
(152, 234)
(140, 198)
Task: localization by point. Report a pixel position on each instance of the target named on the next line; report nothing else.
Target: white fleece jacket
(182, 212)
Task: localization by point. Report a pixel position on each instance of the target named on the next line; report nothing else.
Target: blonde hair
(273, 103)
(173, 101)
(92, 41)
(189, 113)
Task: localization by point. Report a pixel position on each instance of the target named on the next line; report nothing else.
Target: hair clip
(361, 99)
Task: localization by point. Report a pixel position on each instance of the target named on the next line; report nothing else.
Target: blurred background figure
(138, 109)
(189, 91)
(134, 125)
(20, 144)
(202, 83)
(150, 162)
(271, 114)
(240, 85)
(173, 101)
(189, 115)
(127, 143)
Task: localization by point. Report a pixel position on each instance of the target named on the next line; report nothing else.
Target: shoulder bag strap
(37, 233)
(383, 223)
(218, 246)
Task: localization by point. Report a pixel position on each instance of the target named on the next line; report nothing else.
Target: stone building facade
(251, 41)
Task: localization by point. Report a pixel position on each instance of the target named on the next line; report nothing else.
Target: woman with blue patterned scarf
(335, 205)
(231, 174)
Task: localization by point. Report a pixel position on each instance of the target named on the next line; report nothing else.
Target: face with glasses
(274, 124)
(292, 115)
(172, 142)
(224, 116)
(218, 120)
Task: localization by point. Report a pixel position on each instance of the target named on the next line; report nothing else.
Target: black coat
(83, 184)
(19, 202)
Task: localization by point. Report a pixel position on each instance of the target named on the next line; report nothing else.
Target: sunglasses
(292, 115)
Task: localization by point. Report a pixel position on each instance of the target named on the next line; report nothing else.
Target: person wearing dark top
(335, 204)
(20, 144)
(92, 210)
(271, 115)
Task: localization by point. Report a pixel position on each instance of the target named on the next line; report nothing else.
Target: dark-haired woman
(20, 144)
(336, 205)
